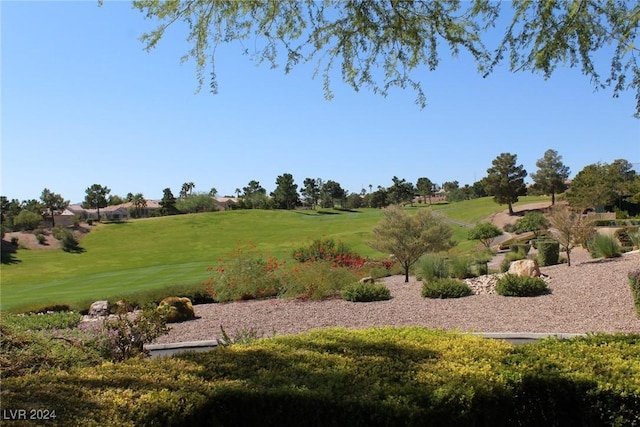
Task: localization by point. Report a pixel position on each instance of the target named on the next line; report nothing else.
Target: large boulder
(99, 308)
(178, 309)
(525, 267)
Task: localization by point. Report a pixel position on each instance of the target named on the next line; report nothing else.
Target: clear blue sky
(83, 103)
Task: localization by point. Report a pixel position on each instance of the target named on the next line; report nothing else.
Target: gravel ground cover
(590, 296)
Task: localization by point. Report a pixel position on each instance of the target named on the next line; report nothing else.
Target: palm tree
(139, 202)
(238, 191)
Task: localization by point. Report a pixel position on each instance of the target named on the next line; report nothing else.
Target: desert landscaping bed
(590, 296)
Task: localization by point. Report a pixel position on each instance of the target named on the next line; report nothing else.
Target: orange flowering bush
(245, 274)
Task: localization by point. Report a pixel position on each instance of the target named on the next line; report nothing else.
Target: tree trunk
(406, 274)
(553, 198)
(511, 209)
(568, 257)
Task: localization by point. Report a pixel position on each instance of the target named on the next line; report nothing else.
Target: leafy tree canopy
(505, 180)
(603, 184)
(485, 232)
(385, 44)
(285, 196)
(552, 174)
(532, 221)
(408, 237)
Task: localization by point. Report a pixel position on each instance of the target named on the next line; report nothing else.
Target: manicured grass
(121, 259)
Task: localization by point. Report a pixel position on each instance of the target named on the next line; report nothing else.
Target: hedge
(382, 376)
(634, 281)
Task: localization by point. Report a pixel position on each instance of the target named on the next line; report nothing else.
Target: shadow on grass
(8, 253)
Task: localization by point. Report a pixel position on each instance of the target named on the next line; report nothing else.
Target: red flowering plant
(245, 274)
(327, 249)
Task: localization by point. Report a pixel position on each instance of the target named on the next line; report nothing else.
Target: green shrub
(379, 376)
(548, 252)
(26, 220)
(460, 266)
(511, 285)
(14, 241)
(245, 275)
(433, 266)
(317, 280)
(366, 292)
(44, 321)
(24, 350)
(635, 239)
(634, 281)
(41, 239)
(603, 246)
(445, 288)
(520, 247)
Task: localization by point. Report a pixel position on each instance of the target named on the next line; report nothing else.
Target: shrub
(509, 228)
(90, 221)
(634, 281)
(445, 288)
(317, 280)
(41, 239)
(327, 249)
(378, 376)
(127, 334)
(603, 246)
(635, 239)
(24, 351)
(548, 252)
(460, 267)
(245, 275)
(14, 241)
(365, 292)
(433, 266)
(484, 232)
(26, 220)
(511, 285)
(532, 221)
(520, 247)
(42, 321)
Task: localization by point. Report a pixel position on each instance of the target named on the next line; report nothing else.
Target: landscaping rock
(99, 309)
(525, 267)
(180, 309)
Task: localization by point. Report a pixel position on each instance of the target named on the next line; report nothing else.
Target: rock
(367, 279)
(525, 267)
(99, 309)
(179, 309)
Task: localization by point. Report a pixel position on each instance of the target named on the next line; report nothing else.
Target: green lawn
(153, 253)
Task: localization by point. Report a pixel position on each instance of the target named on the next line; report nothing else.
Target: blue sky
(83, 103)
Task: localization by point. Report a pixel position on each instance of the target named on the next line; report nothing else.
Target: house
(111, 213)
(226, 203)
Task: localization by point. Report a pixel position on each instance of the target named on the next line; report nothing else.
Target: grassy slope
(152, 253)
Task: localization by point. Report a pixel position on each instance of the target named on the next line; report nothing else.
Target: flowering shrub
(317, 280)
(243, 275)
(326, 249)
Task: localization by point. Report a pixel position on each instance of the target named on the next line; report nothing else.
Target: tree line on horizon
(614, 186)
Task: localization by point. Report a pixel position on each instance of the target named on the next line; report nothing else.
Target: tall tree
(425, 188)
(213, 192)
(311, 191)
(330, 192)
(254, 195)
(408, 237)
(168, 202)
(381, 45)
(285, 196)
(96, 197)
(54, 202)
(450, 186)
(505, 180)
(186, 189)
(552, 174)
(139, 203)
(401, 191)
(603, 184)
